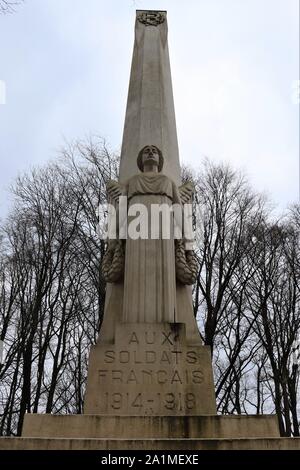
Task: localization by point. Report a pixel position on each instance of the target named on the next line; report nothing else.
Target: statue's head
(150, 155)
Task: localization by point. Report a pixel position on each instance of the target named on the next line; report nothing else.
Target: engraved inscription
(150, 377)
(152, 371)
(139, 401)
(151, 18)
(150, 357)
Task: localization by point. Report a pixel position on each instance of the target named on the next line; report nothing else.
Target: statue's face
(150, 156)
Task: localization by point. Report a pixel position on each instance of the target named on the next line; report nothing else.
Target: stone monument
(149, 359)
(150, 381)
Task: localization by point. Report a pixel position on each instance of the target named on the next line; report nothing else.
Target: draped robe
(150, 279)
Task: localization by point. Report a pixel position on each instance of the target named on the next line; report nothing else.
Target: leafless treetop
(8, 6)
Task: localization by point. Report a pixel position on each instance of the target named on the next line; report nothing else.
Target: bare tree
(230, 210)
(247, 297)
(52, 293)
(274, 303)
(8, 6)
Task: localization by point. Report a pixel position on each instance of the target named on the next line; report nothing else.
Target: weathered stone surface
(150, 370)
(275, 443)
(149, 120)
(159, 427)
(150, 114)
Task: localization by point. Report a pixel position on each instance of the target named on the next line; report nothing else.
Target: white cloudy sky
(66, 67)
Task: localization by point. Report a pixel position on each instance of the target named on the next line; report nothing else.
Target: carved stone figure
(150, 264)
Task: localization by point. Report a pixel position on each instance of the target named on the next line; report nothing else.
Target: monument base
(150, 369)
(149, 390)
(149, 427)
(268, 443)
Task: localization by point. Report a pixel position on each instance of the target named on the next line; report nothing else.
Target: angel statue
(149, 266)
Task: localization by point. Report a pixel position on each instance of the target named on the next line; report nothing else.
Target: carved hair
(140, 158)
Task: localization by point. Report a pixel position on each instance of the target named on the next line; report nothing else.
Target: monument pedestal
(150, 370)
(147, 428)
(150, 389)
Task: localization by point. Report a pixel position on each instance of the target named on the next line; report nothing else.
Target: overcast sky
(235, 65)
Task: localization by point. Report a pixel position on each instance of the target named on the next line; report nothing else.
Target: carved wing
(186, 192)
(114, 190)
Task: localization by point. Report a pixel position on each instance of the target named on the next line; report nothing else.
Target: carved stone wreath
(151, 18)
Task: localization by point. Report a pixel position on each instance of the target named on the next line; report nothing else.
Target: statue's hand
(114, 190)
(186, 192)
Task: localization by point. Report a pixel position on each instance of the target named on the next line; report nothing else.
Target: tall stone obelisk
(150, 119)
(156, 367)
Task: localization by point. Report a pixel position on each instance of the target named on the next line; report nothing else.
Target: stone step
(21, 443)
(160, 427)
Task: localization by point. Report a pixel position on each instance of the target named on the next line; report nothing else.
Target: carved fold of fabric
(149, 283)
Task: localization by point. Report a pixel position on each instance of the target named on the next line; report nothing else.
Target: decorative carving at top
(151, 18)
